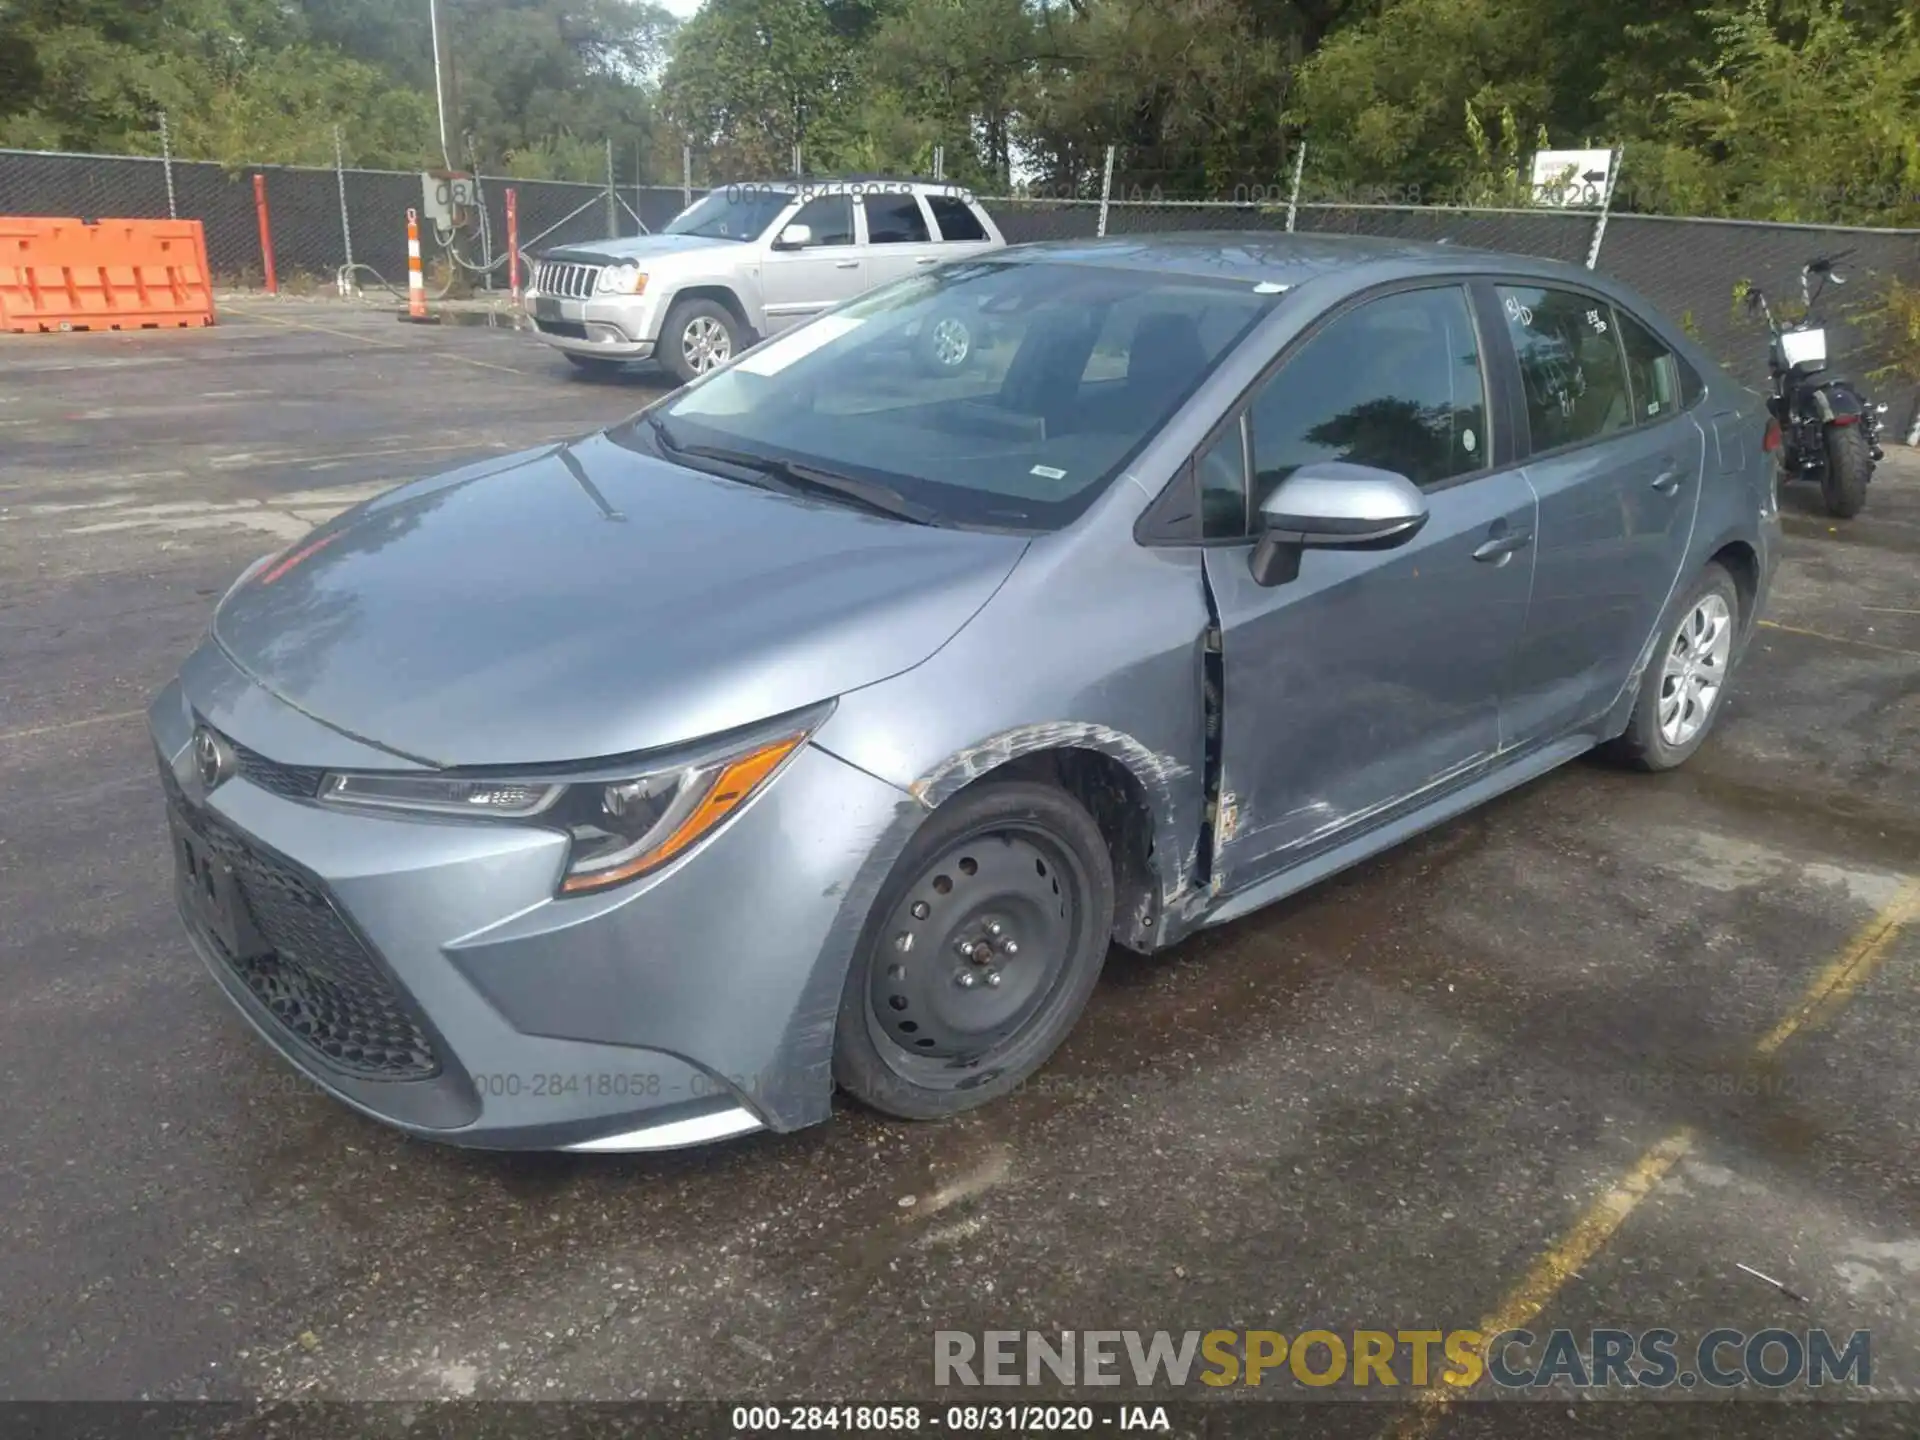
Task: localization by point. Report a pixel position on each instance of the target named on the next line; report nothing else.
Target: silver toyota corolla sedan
(823, 724)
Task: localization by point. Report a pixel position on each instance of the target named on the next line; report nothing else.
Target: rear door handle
(927, 260)
(1500, 547)
(1668, 482)
(846, 264)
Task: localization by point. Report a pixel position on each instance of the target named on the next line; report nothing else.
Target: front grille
(566, 279)
(295, 782)
(326, 989)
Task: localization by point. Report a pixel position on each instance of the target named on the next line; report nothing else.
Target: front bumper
(426, 975)
(616, 327)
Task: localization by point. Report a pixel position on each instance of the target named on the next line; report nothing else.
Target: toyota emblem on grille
(211, 757)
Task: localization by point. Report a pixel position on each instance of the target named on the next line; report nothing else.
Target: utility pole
(439, 80)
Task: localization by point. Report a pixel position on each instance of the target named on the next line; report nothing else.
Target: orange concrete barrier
(105, 275)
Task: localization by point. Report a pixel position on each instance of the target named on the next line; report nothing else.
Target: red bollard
(266, 231)
(513, 244)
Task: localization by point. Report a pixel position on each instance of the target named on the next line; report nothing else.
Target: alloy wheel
(705, 344)
(1695, 671)
(951, 343)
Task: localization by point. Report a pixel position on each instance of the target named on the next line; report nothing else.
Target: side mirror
(794, 237)
(1332, 504)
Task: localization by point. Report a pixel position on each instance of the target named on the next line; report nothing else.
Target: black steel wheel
(979, 953)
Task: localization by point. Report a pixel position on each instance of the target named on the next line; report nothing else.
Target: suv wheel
(700, 335)
(946, 345)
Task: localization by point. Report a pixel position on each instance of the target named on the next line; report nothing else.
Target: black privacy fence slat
(1687, 268)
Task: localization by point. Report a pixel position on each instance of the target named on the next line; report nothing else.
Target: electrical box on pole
(449, 198)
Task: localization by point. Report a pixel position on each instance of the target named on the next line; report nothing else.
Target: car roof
(800, 182)
(1278, 256)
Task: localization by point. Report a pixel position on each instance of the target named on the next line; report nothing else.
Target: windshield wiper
(795, 475)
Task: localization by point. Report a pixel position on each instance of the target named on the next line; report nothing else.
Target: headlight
(621, 827)
(627, 279)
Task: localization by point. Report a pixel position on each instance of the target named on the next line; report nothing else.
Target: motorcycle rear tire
(1849, 466)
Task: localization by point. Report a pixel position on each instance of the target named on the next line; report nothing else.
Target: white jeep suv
(748, 260)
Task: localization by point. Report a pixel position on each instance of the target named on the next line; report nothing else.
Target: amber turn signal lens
(728, 790)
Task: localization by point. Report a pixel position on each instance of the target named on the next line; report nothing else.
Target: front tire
(1843, 485)
(979, 954)
(1685, 687)
(699, 335)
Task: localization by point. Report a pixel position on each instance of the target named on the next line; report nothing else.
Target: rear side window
(894, 220)
(1653, 372)
(1570, 365)
(955, 219)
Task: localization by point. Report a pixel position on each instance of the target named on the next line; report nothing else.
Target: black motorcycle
(1823, 427)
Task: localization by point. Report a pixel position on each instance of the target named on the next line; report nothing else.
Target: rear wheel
(979, 954)
(1849, 466)
(1685, 687)
(946, 345)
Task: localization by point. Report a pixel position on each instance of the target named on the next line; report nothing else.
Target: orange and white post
(416, 280)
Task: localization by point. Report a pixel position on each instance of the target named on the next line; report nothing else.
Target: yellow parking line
(469, 360)
(70, 725)
(1825, 993)
(1835, 984)
(287, 324)
(1838, 639)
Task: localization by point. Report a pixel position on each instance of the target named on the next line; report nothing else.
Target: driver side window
(829, 217)
(1395, 383)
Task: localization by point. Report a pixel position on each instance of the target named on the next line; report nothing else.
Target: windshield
(1065, 372)
(740, 212)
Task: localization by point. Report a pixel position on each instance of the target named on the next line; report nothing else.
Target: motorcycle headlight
(627, 279)
(620, 826)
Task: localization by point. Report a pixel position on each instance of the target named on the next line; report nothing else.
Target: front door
(1373, 676)
(829, 268)
(1617, 464)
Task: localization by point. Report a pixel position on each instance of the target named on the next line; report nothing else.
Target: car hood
(639, 247)
(587, 601)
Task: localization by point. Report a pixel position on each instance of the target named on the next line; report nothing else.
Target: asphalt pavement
(1573, 1060)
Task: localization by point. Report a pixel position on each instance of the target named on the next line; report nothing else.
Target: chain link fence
(321, 219)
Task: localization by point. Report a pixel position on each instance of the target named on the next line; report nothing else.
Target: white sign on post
(446, 199)
(1571, 179)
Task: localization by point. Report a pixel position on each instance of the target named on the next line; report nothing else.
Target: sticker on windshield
(1047, 472)
(1269, 287)
(1467, 439)
(803, 342)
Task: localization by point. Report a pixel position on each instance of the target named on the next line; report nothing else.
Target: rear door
(960, 231)
(899, 239)
(1616, 463)
(1374, 677)
(831, 267)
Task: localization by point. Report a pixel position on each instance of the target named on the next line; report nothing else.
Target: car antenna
(564, 452)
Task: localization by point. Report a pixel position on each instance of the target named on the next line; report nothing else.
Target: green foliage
(1891, 326)
(1769, 109)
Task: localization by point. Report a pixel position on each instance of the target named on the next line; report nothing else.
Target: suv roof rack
(796, 181)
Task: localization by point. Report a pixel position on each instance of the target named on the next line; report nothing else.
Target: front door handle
(1668, 482)
(846, 264)
(1501, 547)
(927, 260)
